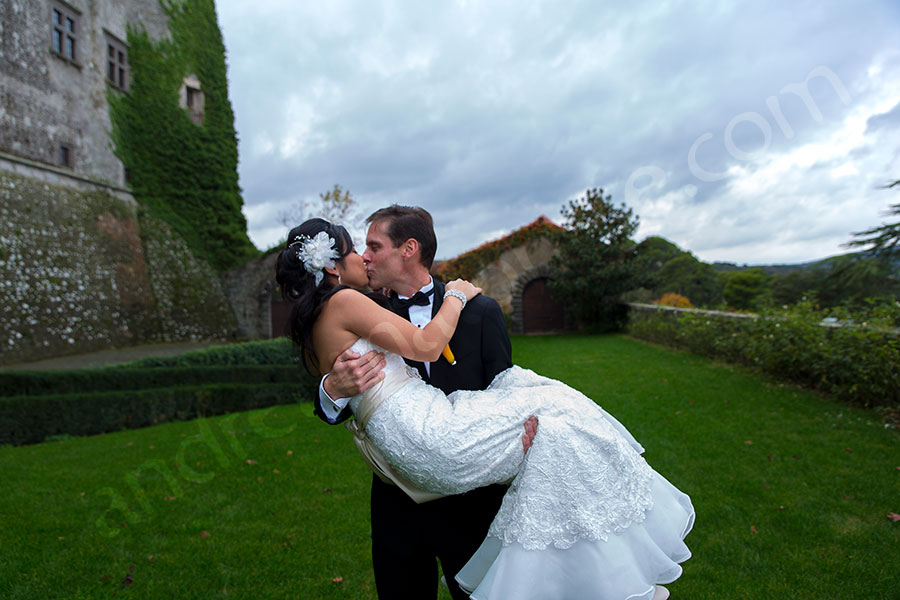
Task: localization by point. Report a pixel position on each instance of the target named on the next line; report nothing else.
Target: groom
(408, 537)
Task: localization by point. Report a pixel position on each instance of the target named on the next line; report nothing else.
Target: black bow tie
(419, 298)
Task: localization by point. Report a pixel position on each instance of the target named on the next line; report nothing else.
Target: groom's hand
(353, 374)
(531, 426)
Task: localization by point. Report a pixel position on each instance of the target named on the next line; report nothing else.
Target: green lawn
(792, 492)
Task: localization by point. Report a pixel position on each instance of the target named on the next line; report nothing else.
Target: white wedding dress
(584, 517)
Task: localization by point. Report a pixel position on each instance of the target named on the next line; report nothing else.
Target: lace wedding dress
(584, 517)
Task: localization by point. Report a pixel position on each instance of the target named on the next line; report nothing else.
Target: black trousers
(407, 538)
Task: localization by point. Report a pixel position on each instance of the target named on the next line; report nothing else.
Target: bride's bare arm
(361, 316)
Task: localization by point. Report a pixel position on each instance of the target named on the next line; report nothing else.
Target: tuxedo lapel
(437, 299)
(440, 369)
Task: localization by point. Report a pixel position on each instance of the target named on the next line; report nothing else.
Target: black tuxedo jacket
(480, 345)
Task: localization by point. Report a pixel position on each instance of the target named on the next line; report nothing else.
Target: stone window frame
(65, 27)
(117, 72)
(192, 98)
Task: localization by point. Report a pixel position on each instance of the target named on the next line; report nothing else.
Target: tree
(854, 278)
(792, 287)
(651, 255)
(595, 260)
(874, 275)
(746, 289)
(336, 205)
(690, 277)
(884, 241)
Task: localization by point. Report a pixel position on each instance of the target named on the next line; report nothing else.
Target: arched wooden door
(540, 312)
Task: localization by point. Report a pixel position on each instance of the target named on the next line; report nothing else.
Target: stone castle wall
(250, 289)
(47, 100)
(80, 271)
(81, 268)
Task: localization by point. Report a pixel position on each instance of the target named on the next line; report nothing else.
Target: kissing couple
(569, 510)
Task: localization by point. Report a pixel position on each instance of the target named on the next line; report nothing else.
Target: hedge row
(31, 419)
(279, 351)
(35, 405)
(41, 383)
(858, 362)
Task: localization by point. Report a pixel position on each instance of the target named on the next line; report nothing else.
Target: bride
(584, 517)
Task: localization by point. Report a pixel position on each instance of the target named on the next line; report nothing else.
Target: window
(116, 62)
(64, 33)
(65, 155)
(192, 98)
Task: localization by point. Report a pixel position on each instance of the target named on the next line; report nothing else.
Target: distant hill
(783, 269)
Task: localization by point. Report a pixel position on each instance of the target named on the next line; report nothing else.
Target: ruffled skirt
(585, 515)
(627, 565)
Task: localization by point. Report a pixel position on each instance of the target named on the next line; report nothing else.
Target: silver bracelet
(456, 294)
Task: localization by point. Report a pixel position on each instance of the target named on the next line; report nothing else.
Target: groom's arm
(481, 347)
(332, 411)
(496, 352)
(496, 349)
(497, 357)
(350, 375)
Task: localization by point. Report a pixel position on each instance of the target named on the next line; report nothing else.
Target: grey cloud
(888, 120)
(494, 113)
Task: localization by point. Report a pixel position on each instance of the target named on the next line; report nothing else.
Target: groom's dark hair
(404, 222)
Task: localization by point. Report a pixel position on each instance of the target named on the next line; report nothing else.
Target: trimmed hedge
(35, 405)
(31, 419)
(856, 359)
(279, 351)
(41, 383)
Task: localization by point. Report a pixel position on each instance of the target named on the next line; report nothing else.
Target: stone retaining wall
(80, 272)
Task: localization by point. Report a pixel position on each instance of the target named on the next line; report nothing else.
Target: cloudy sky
(752, 132)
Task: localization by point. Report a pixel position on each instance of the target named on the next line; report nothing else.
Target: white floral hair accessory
(316, 253)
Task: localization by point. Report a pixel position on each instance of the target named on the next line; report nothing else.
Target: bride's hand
(465, 287)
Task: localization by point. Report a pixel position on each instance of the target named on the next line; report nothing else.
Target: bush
(264, 352)
(32, 419)
(35, 405)
(673, 299)
(41, 383)
(856, 358)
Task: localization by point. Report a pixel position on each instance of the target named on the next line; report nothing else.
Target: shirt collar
(424, 289)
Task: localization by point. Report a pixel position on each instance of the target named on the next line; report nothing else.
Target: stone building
(515, 271)
(80, 270)
(255, 298)
(58, 60)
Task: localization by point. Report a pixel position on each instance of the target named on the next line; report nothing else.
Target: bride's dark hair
(298, 286)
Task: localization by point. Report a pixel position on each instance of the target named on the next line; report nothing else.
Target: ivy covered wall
(84, 268)
(183, 173)
(81, 271)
